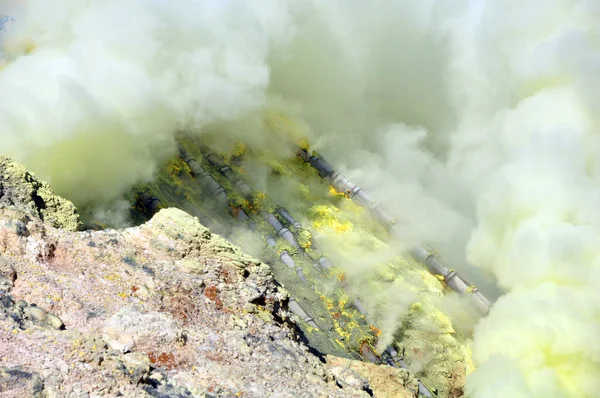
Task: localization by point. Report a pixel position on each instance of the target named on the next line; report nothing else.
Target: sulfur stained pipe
(204, 177)
(217, 162)
(282, 211)
(279, 229)
(287, 259)
(451, 278)
(320, 261)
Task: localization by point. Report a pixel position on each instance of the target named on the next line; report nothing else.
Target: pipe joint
(449, 276)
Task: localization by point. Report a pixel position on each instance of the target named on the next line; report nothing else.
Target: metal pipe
(319, 261)
(217, 162)
(341, 184)
(280, 229)
(289, 261)
(153, 205)
(325, 262)
(271, 218)
(325, 170)
(296, 309)
(150, 203)
(381, 216)
(204, 177)
(282, 211)
(270, 241)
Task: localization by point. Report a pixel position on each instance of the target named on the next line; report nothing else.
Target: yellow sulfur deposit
(333, 192)
(324, 219)
(239, 149)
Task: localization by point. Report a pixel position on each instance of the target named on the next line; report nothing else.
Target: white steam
(474, 121)
(94, 107)
(528, 140)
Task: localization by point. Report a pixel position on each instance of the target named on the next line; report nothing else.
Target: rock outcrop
(21, 190)
(166, 309)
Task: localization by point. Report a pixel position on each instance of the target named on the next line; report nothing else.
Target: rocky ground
(166, 309)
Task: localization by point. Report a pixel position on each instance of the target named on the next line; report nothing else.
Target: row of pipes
(280, 230)
(208, 182)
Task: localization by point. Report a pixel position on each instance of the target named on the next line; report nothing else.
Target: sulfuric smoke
(474, 121)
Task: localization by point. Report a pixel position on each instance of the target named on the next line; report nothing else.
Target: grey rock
(348, 378)
(55, 321)
(34, 313)
(130, 327)
(16, 382)
(22, 190)
(8, 275)
(25, 316)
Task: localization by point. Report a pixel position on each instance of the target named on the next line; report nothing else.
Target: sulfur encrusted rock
(22, 190)
(382, 381)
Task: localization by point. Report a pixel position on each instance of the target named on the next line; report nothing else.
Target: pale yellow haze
(476, 122)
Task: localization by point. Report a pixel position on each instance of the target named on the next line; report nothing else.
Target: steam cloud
(474, 120)
(95, 106)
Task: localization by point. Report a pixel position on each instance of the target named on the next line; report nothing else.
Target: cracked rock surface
(166, 309)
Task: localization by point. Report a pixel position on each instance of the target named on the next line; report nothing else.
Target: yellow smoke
(529, 129)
